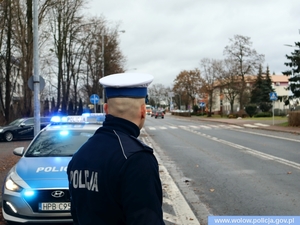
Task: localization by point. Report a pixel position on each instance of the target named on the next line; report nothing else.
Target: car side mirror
(19, 151)
(22, 125)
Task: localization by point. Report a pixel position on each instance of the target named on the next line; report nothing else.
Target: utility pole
(103, 91)
(36, 78)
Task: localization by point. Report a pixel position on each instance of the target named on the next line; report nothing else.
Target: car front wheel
(8, 136)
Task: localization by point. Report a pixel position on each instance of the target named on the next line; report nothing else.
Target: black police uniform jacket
(114, 178)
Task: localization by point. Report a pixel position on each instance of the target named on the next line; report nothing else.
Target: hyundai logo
(57, 194)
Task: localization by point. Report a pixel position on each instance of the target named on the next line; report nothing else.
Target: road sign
(94, 99)
(41, 80)
(202, 104)
(273, 96)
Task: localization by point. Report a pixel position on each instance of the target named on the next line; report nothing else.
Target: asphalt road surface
(228, 169)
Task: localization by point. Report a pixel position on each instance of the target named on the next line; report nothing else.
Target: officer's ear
(143, 111)
(105, 106)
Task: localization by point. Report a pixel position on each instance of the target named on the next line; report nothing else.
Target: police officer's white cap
(132, 85)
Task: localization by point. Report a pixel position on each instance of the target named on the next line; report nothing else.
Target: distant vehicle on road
(148, 109)
(159, 114)
(21, 128)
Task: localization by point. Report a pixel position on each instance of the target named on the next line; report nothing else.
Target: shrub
(265, 106)
(263, 114)
(242, 113)
(294, 118)
(230, 116)
(251, 109)
(195, 108)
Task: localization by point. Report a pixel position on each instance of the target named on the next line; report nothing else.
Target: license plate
(55, 206)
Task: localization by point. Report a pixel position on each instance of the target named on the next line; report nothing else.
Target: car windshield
(16, 122)
(53, 143)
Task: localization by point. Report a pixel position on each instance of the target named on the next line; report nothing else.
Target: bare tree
(230, 82)
(64, 15)
(247, 60)
(101, 36)
(158, 93)
(187, 85)
(8, 17)
(211, 70)
(23, 41)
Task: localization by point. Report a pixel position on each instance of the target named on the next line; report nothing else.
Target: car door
(26, 129)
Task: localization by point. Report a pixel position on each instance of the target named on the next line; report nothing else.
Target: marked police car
(21, 128)
(36, 189)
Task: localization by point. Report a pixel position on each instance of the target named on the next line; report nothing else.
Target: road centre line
(263, 155)
(251, 151)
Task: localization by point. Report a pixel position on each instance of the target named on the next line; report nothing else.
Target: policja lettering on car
(88, 182)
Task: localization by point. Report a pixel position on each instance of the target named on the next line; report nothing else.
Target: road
(176, 209)
(215, 169)
(229, 170)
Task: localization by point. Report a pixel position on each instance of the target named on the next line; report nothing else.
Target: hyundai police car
(36, 189)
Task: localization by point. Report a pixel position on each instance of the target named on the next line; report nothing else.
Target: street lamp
(102, 67)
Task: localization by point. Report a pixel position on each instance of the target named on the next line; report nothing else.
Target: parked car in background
(21, 128)
(159, 114)
(36, 189)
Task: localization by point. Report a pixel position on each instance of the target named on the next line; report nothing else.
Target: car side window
(29, 122)
(45, 120)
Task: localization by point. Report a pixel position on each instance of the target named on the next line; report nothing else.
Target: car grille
(46, 196)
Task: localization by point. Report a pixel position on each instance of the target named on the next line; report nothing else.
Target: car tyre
(8, 136)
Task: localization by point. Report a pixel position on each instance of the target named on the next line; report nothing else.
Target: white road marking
(249, 125)
(234, 126)
(205, 127)
(251, 151)
(261, 124)
(163, 128)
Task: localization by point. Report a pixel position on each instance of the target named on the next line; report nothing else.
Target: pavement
(264, 124)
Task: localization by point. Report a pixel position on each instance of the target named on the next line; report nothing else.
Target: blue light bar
(64, 132)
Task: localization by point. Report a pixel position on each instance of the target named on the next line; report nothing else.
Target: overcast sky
(165, 37)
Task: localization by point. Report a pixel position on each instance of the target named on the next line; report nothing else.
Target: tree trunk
(8, 63)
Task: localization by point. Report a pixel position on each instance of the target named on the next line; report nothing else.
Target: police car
(36, 189)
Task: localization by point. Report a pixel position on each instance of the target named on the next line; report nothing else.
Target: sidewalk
(241, 121)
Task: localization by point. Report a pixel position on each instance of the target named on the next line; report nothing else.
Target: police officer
(114, 177)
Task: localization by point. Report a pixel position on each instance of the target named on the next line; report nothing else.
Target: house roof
(279, 78)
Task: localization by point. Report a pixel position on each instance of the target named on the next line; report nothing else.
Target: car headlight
(1, 130)
(12, 186)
